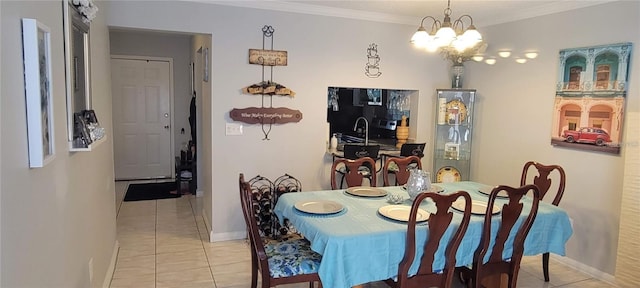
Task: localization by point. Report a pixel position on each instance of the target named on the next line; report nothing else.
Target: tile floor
(164, 243)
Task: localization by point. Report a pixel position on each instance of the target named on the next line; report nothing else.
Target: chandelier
(450, 37)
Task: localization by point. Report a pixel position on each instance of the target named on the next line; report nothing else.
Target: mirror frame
(74, 72)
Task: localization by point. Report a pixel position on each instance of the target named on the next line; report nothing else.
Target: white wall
(175, 46)
(55, 218)
(514, 113)
(323, 52)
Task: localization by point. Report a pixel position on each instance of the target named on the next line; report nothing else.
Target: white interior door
(141, 92)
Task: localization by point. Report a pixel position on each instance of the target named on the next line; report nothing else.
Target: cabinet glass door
(452, 143)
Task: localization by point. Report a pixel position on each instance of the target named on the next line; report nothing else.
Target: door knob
(166, 127)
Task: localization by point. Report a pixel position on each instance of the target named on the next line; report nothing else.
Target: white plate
(401, 213)
(366, 191)
(477, 207)
(486, 190)
(319, 207)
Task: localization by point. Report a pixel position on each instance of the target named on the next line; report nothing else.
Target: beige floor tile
(135, 267)
(184, 260)
(219, 256)
(200, 277)
(233, 279)
(559, 274)
(145, 281)
(178, 244)
(590, 283)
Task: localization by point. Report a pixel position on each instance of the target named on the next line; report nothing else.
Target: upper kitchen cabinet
(453, 132)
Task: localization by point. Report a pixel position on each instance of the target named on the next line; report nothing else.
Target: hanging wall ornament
(372, 68)
(266, 115)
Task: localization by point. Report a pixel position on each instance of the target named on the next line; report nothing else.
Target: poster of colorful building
(591, 90)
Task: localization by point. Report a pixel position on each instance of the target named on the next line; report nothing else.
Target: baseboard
(207, 225)
(112, 265)
(199, 193)
(595, 273)
(216, 237)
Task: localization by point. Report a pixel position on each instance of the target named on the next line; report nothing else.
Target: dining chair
(402, 169)
(352, 172)
(543, 179)
(510, 213)
(278, 262)
(438, 224)
(354, 152)
(406, 150)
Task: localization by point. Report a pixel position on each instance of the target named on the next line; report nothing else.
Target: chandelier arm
(466, 15)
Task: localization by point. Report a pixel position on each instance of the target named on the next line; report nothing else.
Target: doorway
(142, 117)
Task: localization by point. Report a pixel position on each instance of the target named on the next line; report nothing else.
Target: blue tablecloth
(359, 245)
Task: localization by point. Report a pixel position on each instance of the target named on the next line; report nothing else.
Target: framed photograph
(90, 117)
(82, 135)
(36, 41)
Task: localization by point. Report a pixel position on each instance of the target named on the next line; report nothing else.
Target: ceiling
(484, 13)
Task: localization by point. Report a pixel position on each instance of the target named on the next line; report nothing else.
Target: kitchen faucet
(366, 129)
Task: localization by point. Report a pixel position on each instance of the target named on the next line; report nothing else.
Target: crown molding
(304, 8)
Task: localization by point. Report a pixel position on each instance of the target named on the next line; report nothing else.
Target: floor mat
(151, 191)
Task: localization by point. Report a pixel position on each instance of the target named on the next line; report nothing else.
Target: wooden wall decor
(266, 115)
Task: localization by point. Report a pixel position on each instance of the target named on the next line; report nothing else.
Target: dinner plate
(486, 190)
(401, 213)
(364, 191)
(477, 207)
(434, 188)
(319, 207)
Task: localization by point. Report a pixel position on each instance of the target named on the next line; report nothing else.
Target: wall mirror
(78, 76)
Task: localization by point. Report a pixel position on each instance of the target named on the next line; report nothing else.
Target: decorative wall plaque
(259, 115)
(268, 57)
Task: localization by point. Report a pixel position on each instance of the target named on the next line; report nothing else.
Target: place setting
(401, 213)
(366, 191)
(319, 207)
(477, 207)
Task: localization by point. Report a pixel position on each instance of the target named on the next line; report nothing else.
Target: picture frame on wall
(36, 46)
(590, 100)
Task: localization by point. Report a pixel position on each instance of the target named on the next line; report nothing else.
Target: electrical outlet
(233, 129)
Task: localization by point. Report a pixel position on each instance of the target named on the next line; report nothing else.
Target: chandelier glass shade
(447, 34)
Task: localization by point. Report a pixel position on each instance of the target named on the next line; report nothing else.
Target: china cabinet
(453, 132)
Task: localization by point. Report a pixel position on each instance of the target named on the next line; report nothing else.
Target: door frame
(171, 105)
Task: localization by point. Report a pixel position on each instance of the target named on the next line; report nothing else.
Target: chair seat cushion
(290, 258)
(362, 170)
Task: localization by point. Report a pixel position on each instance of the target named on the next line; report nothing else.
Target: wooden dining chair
(543, 179)
(354, 152)
(352, 174)
(509, 215)
(401, 169)
(439, 222)
(278, 262)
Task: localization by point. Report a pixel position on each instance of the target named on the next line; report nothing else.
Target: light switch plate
(233, 129)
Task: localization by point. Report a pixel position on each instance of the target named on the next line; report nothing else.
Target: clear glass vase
(457, 71)
(419, 181)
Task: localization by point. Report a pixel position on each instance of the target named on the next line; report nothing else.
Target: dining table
(361, 235)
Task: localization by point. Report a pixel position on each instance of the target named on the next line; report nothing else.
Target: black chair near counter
(355, 152)
(541, 175)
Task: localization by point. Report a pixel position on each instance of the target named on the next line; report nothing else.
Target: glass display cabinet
(452, 142)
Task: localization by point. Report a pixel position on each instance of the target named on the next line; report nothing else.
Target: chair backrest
(415, 149)
(352, 175)
(353, 151)
(439, 222)
(510, 213)
(404, 166)
(257, 246)
(543, 179)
